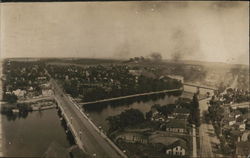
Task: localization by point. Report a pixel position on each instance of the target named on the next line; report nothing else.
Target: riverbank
(25, 107)
(43, 108)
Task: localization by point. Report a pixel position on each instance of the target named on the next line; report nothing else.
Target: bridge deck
(200, 86)
(130, 96)
(91, 140)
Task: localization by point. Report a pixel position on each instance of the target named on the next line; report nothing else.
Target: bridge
(87, 136)
(130, 96)
(200, 86)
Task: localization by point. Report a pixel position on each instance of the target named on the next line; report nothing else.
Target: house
(178, 126)
(242, 149)
(181, 111)
(236, 114)
(171, 116)
(181, 117)
(133, 137)
(46, 86)
(42, 78)
(19, 93)
(48, 92)
(245, 136)
(240, 126)
(154, 111)
(15, 110)
(158, 118)
(178, 148)
(229, 120)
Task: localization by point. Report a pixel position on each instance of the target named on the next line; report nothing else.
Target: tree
(127, 118)
(206, 116)
(10, 98)
(215, 112)
(194, 117)
(148, 115)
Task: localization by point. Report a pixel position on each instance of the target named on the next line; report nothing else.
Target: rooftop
(181, 110)
(176, 124)
(179, 142)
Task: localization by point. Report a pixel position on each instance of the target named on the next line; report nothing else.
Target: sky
(206, 31)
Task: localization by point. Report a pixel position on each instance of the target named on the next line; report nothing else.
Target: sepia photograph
(124, 79)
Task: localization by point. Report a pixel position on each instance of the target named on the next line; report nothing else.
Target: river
(99, 115)
(31, 136)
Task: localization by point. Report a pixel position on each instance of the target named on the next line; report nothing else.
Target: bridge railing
(97, 129)
(200, 86)
(70, 125)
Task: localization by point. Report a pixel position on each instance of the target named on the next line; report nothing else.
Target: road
(92, 141)
(194, 141)
(208, 139)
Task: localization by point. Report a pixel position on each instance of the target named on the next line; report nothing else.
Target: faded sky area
(207, 31)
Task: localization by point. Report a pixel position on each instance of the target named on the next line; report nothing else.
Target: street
(92, 141)
(208, 138)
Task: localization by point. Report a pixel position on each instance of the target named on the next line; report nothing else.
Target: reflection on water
(99, 112)
(31, 135)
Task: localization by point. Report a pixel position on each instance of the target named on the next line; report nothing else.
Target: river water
(99, 115)
(30, 136)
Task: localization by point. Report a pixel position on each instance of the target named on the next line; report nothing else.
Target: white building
(177, 148)
(19, 93)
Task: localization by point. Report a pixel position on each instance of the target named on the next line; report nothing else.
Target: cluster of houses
(233, 96)
(170, 145)
(172, 128)
(26, 80)
(237, 124)
(174, 122)
(30, 92)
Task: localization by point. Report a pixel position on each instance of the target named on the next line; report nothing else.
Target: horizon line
(109, 58)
